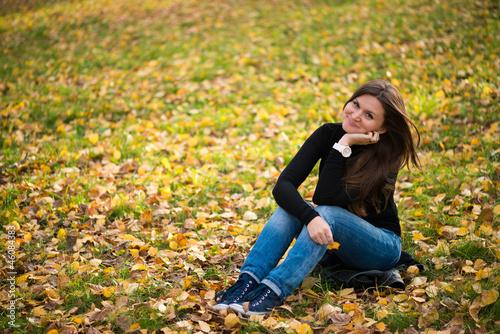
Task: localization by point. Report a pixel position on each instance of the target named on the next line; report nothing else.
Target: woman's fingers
(368, 138)
(319, 231)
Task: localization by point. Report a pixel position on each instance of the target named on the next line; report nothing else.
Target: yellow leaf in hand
(334, 246)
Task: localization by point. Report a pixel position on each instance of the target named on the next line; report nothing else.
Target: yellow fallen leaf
(247, 187)
(486, 228)
(349, 307)
(400, 298)
(7, 143)
(475, 141)
(134, 252)
(15, 224)
(22, 279)
(488, 297)
(93, 138)
(173, 245)
(117, 154)
(231, 320)
(382, 314)
(61, 234)
(109, 291)
(305, 329)
(38, 311)
(166, 163)
(53, 331)
(74, 266)
(139, 267)
(419, 237)
(153, 251)
(440, 94)
(496, 210)
(61, 129)
(413, 269)
(129, 237)
(380, 326)
(241, 239)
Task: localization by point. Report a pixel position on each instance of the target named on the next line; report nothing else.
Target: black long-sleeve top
(330, 190)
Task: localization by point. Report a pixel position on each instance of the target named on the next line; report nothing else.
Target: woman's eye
(356, 104)
(369, 116)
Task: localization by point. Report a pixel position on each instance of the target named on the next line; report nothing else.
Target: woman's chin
(350, 129)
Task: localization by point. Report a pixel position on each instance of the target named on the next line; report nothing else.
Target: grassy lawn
(140, 142)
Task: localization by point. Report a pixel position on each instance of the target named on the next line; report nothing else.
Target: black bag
(335, 273)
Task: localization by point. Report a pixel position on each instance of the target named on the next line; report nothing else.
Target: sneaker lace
(233, 292)
(260, 293)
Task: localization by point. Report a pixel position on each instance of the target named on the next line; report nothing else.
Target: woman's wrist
(344, 140)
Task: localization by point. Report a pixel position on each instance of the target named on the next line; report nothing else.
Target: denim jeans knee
(362, 245)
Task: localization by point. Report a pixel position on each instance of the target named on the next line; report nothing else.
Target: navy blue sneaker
(260, 301)
(244, 285)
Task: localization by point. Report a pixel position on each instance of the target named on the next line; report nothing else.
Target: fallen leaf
(231, 320)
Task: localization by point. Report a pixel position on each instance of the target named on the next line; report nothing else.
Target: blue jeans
(362, 247)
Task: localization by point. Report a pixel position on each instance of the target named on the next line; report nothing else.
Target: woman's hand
(319, 231)
(368, 138)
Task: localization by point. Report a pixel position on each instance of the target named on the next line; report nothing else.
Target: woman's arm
(285, 191)
(330, 189)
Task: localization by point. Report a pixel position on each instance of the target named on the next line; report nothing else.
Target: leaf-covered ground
(141, 141)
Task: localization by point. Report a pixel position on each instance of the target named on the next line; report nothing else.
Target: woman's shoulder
(332, 130)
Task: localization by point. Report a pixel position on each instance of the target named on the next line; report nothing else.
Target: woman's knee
(282, 220)
(330, 213)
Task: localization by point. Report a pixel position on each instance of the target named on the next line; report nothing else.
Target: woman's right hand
(368, 138)
(319, 231)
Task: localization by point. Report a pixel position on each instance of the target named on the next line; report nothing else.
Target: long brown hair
(368, 171)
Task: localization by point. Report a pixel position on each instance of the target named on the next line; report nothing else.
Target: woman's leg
(272, 244)
(362, 246)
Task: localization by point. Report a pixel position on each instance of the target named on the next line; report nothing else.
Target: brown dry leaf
(326, 310)
(340, 318)
(204, 326)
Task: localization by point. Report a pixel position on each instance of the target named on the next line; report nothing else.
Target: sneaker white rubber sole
(239, 308)
(220, 307)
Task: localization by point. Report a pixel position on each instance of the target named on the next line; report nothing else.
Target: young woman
(354, 204)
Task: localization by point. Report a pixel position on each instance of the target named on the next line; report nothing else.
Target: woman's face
(363, 114)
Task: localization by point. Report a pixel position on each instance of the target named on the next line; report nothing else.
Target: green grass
(224, 91)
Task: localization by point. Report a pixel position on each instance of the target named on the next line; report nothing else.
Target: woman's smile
(363, 114)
